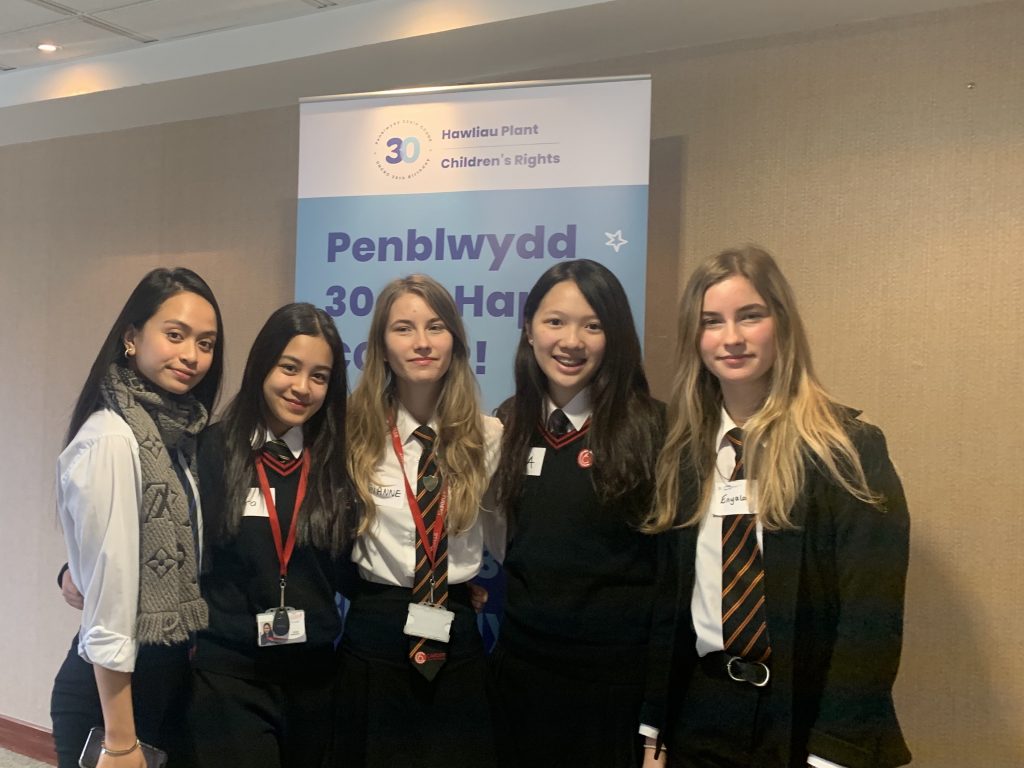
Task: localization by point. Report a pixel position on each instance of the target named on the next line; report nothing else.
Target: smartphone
(155, 758)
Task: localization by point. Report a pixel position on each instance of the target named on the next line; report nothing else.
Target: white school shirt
(706, 602)
(293, 438)
(386, 553)
(99, 500)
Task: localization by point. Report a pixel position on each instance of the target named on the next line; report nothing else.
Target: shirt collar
(578, 409)
(292, 438)
(407, 424)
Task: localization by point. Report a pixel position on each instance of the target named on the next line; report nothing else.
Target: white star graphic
(615, 239)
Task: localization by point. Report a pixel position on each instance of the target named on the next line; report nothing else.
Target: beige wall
(892, 194)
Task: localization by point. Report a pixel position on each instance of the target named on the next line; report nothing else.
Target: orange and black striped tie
(744, 624)
(428, 656)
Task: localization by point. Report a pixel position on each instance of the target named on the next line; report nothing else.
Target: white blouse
(386, 553)
(99, 500)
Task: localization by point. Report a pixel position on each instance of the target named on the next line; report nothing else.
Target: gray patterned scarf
(169, 603)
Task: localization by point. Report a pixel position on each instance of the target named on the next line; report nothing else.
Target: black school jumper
(254, 706)
(570, 664)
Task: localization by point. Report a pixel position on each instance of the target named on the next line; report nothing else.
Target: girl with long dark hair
(789, 534)
(576, 478)
(412, 689)
(127, 501)
(278, 503)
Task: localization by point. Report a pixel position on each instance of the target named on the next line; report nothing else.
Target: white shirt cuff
(108, 649)
(820, 762)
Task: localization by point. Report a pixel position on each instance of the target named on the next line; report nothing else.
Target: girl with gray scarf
(129, 507)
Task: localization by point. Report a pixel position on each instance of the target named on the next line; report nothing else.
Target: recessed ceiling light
(48, 47)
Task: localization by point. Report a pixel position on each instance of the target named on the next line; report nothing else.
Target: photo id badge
(730, 498)
(429, 621)
(265, 635)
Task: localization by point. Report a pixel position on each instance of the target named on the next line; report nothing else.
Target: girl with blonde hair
(420, 456)
(789, 543)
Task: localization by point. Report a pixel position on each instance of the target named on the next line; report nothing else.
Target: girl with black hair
(277, 501)
(128, 505)
(582, 434)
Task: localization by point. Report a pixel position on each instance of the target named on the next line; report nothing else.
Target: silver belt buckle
(738, 675)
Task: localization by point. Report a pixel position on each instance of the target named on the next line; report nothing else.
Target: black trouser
(257, 724)
(160, 690)
(721, 722)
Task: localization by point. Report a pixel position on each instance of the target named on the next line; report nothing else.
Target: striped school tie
(428, 656)
(279, 457)
(744, 624)
(558, 423)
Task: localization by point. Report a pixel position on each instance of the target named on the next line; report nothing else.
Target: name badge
(265, 635)
(429, 621)
(255, 505)
(385, 492)
(730, 498)
(535, 461)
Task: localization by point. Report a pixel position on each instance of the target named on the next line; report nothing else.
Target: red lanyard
(429, 547)
(284, 549)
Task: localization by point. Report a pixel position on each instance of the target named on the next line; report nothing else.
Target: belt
(722, 664)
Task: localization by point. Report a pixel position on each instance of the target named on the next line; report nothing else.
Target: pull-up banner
(482, 188)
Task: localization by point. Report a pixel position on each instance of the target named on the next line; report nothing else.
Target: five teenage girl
(129, 510)
(770, 637)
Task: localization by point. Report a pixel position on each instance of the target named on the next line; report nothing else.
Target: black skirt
(548, 714)
(389, 715)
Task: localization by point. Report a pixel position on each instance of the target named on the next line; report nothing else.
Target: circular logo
(402, 149)
(585, 458)
(420, 657)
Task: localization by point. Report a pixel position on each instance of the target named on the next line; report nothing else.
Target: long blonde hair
(460, 433)
(798, 419)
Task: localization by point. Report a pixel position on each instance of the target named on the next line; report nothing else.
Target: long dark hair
(626, 424)
(327, 508)
(151, 292)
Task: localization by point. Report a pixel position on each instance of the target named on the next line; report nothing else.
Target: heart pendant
(430, 482)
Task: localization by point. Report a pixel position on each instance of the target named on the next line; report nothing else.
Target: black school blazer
(834, 587)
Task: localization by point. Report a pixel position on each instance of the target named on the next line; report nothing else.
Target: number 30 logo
(403, 149)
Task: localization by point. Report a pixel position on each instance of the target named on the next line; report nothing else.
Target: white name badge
(265, 628)
(535, 461)
(386, 493)
(429, 621)
(730, 498)
(255, 505)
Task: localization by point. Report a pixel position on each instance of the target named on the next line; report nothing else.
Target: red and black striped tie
(744, 623)
(428, 656)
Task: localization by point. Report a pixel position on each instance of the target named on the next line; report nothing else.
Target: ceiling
(126, 63)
